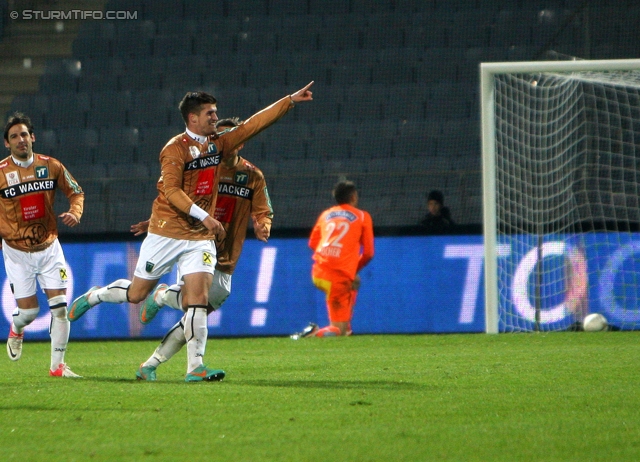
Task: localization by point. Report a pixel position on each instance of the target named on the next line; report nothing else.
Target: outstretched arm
(232, 138)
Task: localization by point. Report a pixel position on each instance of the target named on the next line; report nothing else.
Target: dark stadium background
(396, 92)
(396, 109)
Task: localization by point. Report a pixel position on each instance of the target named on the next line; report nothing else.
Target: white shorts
(158, 254)
(48, 267)
(220, 288)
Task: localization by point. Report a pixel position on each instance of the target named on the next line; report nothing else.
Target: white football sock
(170, 345)
(172, 297)
(59, 332)
(195, 332)
(23, 317)
(116, 292)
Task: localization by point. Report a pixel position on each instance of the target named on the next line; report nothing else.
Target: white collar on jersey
(23, 163)
(198, 138)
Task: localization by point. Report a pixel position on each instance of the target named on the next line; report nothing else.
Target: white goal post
(561, 189)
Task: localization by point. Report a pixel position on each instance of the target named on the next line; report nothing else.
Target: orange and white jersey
(190, 175)
(27, 219)
(242, 192)
(342, 241)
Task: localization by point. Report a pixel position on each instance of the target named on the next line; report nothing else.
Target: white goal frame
(487, 108)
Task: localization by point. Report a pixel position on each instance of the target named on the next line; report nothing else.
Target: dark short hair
(343, 191)
(436, 195)
(229, 122)
(192, 103)
(17, 118)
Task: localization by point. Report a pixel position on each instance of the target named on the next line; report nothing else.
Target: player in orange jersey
(342, 243)
(29, 231)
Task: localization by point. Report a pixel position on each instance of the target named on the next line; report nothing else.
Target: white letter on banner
(263, 285)
(520, 285)
(475, 254)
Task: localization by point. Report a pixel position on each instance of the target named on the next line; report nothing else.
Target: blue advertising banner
(582, 273)
(417, 284)
(413, 285)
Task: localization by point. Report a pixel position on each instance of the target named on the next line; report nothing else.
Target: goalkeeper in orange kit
(342, 241)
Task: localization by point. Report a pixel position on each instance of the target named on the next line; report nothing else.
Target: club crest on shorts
(63, 274)
(149, 266)
(207, 258)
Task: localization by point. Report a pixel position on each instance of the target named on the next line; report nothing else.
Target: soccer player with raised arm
(29, 231)
(242, 193)
(182, 227)
(342, 243)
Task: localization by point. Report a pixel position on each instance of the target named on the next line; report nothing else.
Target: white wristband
(197, 212)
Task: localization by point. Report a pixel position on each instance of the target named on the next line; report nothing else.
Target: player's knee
(25, 316)
(58, 306)
(137, 294)
(135, 299)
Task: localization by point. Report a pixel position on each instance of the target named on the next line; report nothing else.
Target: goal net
(561, 194)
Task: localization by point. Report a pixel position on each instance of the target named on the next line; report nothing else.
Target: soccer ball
(594, 322)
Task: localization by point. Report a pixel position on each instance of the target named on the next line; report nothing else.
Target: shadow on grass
(337, 384)
(326, 384)
(134, 381)
(112, 379)
(66, 409)
(322, 384)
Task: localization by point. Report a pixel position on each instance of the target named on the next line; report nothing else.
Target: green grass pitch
(511, 397)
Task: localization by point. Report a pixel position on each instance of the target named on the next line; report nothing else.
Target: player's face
(20, 142)
(204, 123)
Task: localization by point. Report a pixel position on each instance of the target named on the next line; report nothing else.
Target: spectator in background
(438, 218)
